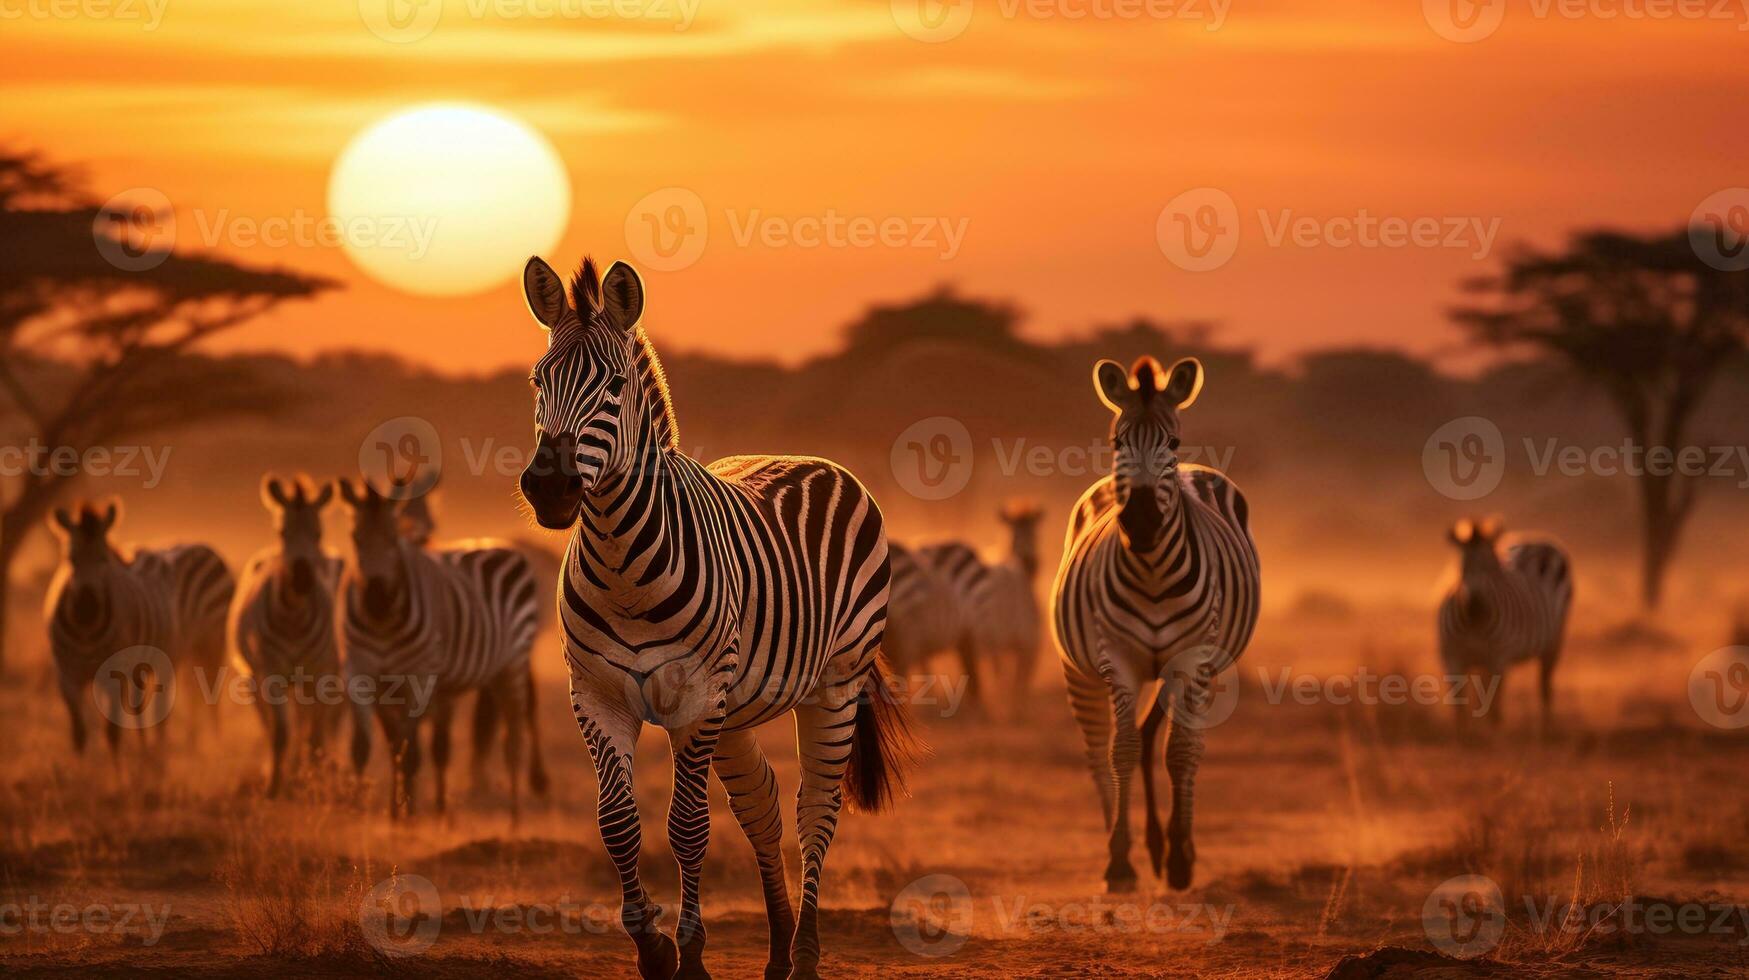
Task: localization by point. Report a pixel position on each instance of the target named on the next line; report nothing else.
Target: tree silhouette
(98, 323)
(1647, 322)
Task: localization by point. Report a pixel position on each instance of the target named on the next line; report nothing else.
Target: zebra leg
(75, 714)
(1150, 755)
(402, 737)
(689, 831)
(537, 770)
(1497, 710)
(746, 774)
(823, 734)
(1126, 749)
(485, 731)
(442, 716)
(611, 732)
(1546, 691)
(510, 693)
(1183, 755)
(1090, 703)
(278, 732)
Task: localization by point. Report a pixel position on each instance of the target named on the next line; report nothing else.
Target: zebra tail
(882, 746)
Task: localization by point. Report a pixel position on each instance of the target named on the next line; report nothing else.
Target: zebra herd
(711, 599)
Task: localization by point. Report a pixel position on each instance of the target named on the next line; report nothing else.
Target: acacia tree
(1648, 323)
(94, 351)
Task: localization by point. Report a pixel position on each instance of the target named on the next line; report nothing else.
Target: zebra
(282, 621)
(958, 564)
(923, 613)
(707, 600)
(103, 601)
(1508, 604)
(421, 626)
(1004, 608)
(1159, 582)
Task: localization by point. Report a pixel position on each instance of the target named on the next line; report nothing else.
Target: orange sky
(1054, 142)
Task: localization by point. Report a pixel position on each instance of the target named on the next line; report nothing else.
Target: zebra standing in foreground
(707, 600)
(1159, 583)
(103, 602)
(282, 622)
(923, 614)
(432, 624)
(1501, 612)
(1005, 615)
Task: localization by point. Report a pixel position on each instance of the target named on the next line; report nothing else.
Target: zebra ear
(111, 511)
(1113, 384)
(1491, 527)
(1461, 532)
(349, 493)
(272, 492)
(545, 292)
(623, 296)
(323, 496)
(63, 522)
(1184, 382)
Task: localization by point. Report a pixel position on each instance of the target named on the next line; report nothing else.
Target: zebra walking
(1158, 587)
(104, 601)
(423, 626)
(923, 614)
(958, 564)
(707, 600)
(1508, 605)
(282, 622)
(1005, 614)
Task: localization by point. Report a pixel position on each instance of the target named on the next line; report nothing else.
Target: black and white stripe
(282, 622)
(1508, 604)
(433, 621)
(104, 601)
(707, 600)
(923, 611)
(1004, 613)
(1158, 587)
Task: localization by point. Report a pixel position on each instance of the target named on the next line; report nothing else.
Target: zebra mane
(656, 394)
(586, 290)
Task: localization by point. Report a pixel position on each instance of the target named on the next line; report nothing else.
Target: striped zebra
(958, 564)
(1159, 582)
(282, 621)
(923, 613)
(103, 601)
(425, 625)
(707, 600)
(1004, 608)
(1508, 604)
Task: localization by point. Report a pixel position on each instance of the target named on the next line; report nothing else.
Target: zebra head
(376, 560)
(297, 516)
(589, 416)
(90, 559)
(1478, 563)
(1145, 402)
(1022, 518)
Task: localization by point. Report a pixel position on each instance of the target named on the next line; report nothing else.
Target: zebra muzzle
(552, 483)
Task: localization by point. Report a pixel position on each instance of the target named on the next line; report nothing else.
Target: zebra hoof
(692, 970)
(803, 973)
(1179, 864)
(1156, 847)
(777, 971)
(658, 958)
(1120, 881)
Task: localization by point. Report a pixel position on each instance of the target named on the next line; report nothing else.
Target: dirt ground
(1328, 834)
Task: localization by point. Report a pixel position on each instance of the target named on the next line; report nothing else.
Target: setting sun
(447, 200)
